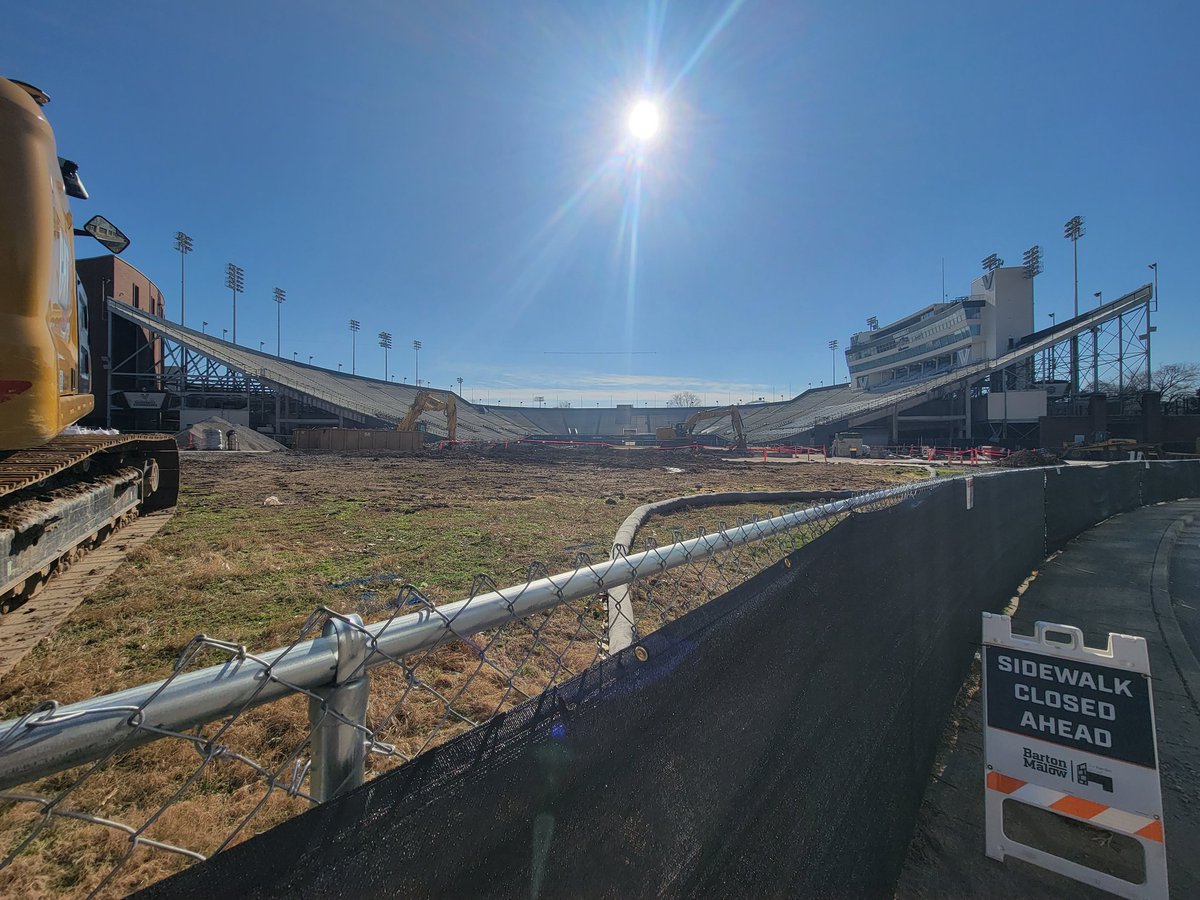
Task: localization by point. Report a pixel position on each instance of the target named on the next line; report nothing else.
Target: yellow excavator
(426, 401)
(686, 429)
(59, 493)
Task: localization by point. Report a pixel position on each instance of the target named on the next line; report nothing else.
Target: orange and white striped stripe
(1077, 807)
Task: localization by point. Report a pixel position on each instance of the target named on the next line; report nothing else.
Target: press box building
(943, 337)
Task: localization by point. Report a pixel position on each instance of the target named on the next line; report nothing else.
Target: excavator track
(61, 499)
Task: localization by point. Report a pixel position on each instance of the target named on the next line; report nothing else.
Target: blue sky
(461, 173)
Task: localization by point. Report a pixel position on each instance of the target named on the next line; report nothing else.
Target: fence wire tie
(27, 720)
(194, 646)
(53, 718)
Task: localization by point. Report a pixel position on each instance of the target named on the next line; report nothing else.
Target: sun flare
(644, 120)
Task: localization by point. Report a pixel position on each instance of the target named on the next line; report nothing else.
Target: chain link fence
(101, 797)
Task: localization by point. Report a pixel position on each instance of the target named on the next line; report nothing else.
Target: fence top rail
(51, 738)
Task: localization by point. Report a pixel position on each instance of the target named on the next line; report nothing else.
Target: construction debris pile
(1029, 459)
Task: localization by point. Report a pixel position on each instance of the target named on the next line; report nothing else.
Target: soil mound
(1029, 459)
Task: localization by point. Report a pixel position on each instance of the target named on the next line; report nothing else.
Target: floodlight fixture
(873, 323)
(1032, 262)
(416, 345)
(1073, 229)
(992, 262)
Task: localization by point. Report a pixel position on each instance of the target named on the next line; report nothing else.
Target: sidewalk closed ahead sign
(1070, 729)
(1074, 704)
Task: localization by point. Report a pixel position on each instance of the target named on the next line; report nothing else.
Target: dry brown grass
(233, 569)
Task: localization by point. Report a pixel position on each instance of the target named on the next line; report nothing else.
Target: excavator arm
(429, 402)
(735, 419)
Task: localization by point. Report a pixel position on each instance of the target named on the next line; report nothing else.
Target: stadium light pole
(354, 326)
(1149, 330)
(459, 380)
(234, 276)
(183, 244)
(280, 296)
(833, 345)
(417, 357)
(204, 327)
(1073, 230)
(385, 341)
(260, 346)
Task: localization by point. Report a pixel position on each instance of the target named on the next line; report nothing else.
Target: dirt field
(261, 540)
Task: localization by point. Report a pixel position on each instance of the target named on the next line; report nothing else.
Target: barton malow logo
(1044, 762)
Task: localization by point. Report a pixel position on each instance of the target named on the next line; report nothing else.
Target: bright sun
(643, 120)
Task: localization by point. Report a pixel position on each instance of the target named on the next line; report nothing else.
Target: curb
(1180, 651)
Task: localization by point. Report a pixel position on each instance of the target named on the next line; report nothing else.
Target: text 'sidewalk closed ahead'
(1071, 703)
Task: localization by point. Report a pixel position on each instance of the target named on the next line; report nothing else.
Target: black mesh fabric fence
(775, 741)
(1163, 481)
(1077, 497)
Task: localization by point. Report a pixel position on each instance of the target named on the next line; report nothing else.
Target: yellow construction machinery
(427, 401)
(686, 429)
(58, 492)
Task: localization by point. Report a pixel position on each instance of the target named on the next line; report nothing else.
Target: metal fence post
(338, 715)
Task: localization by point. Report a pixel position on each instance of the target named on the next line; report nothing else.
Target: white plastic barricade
(1070, 729)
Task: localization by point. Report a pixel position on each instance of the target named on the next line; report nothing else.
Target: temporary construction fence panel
(358, 439)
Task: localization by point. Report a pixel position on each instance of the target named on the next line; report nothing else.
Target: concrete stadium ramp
(365, 400)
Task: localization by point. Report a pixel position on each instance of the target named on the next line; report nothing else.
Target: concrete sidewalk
(1138, 574)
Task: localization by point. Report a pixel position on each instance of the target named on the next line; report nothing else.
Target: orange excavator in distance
(59, 493)
(684, 431)
(427, 401)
